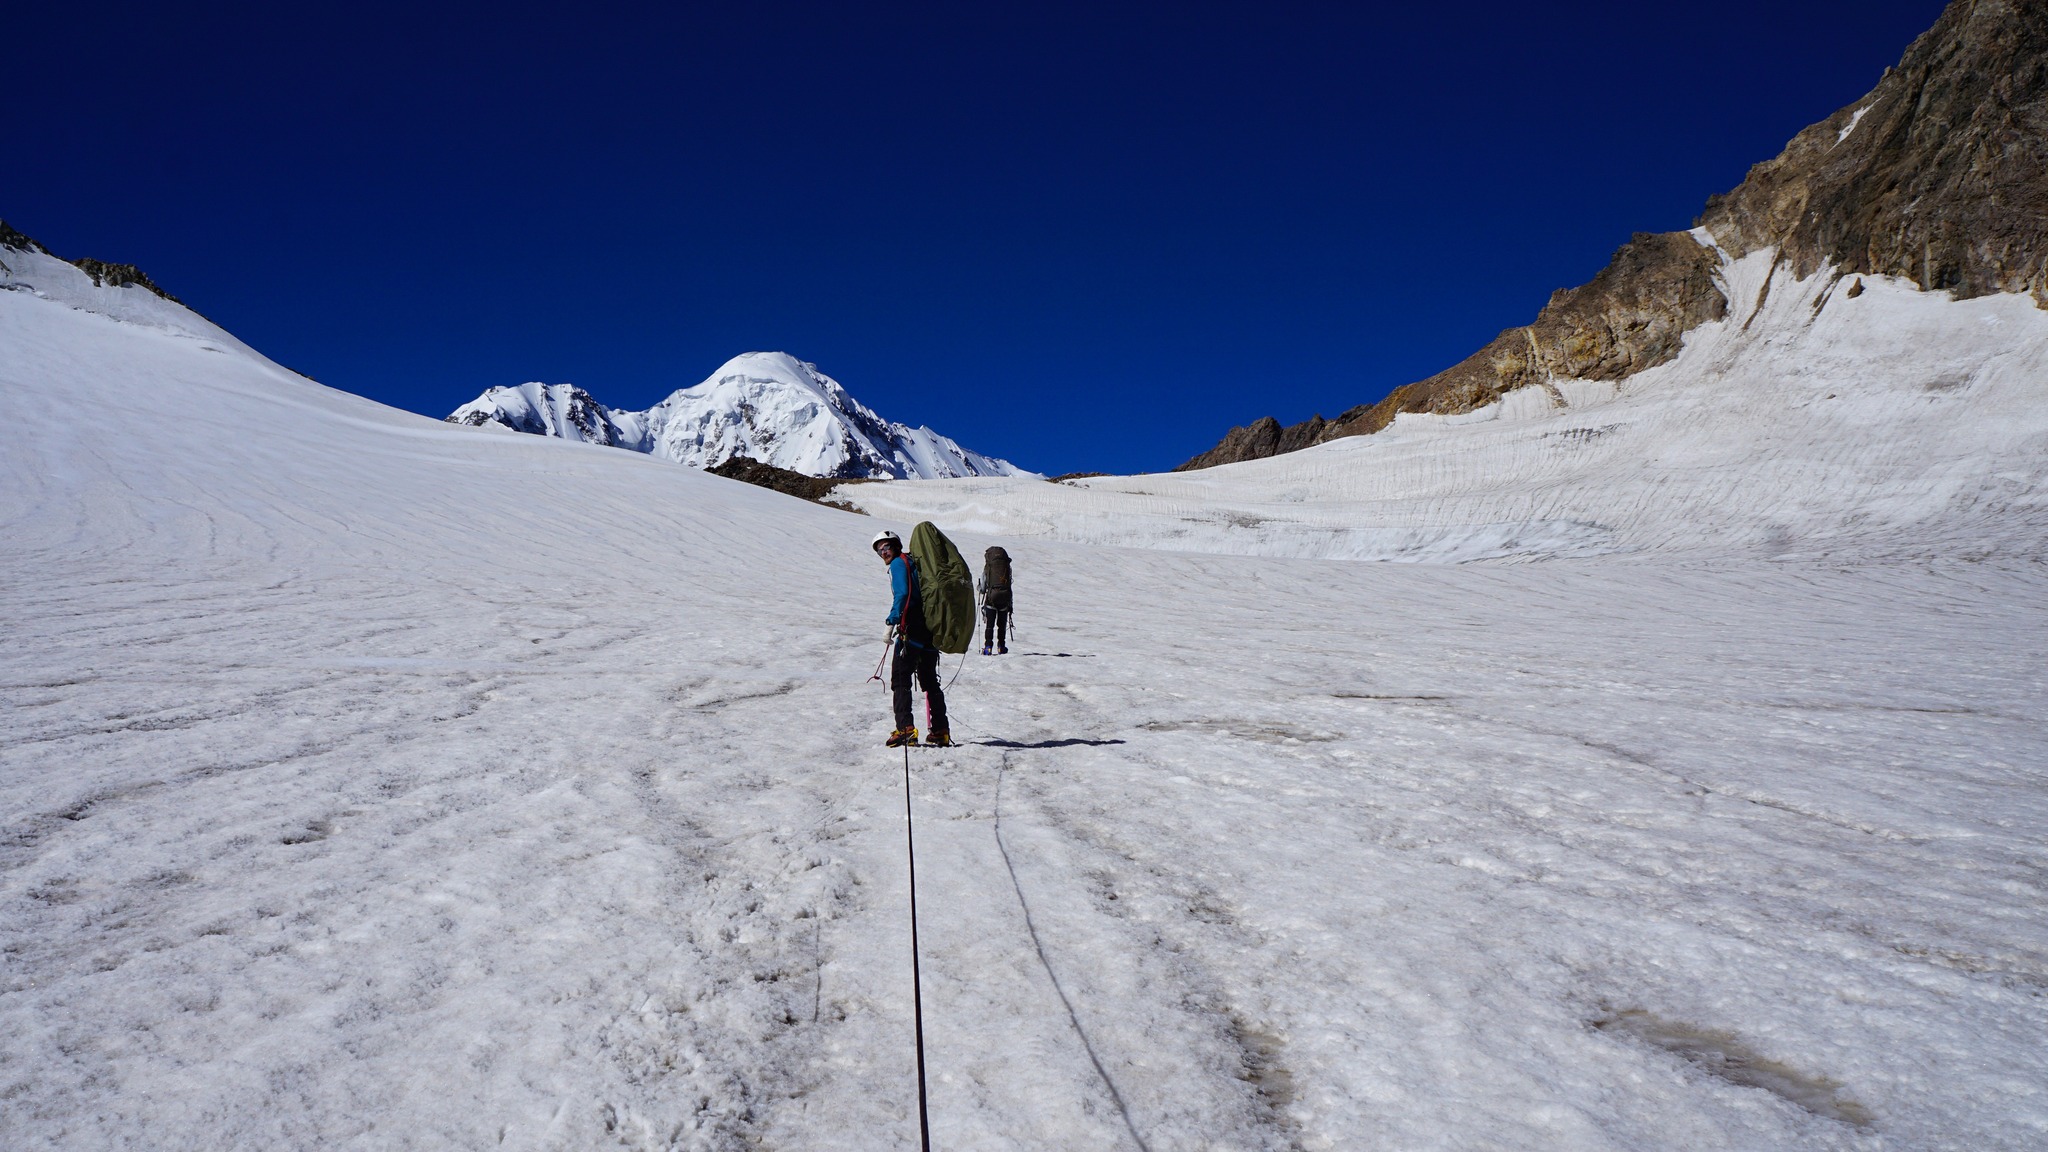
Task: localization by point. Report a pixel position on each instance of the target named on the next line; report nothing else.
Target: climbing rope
(924, 1125)
(1031, 927)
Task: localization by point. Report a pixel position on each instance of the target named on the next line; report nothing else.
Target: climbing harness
(924, 1125)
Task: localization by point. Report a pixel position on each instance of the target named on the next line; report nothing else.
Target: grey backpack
(995, 579)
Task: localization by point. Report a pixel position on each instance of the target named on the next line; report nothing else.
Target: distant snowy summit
(769, 406)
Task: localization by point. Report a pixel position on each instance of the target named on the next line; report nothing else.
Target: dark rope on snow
(924, 1124)
(1073, 1017)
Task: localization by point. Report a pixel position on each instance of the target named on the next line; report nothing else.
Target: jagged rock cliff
(1630, 317)
(1261, 438)
(1938, 175)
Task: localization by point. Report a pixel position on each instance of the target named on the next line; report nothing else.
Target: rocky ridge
(816, 489)
(1938, 175)
(102, 273)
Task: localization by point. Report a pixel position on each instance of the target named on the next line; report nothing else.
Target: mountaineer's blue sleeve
(899, 586)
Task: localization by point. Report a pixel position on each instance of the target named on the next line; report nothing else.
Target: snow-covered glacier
(1831, 418)
(770, 406)
(370, 782)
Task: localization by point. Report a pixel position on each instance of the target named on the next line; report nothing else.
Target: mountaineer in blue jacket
(915, 654)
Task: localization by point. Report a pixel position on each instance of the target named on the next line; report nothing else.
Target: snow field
(374, 783)
(1808, 425)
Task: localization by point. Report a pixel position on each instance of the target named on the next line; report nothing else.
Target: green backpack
(946, 587)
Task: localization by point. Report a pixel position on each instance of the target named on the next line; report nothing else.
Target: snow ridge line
(1073, 1017)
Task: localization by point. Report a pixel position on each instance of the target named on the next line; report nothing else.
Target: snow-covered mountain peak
(560, 410)
(764, 372)
(769, 406)
(778, 391)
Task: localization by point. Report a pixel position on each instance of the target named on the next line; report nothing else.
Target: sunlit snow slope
(1892, 423)
(372, 783)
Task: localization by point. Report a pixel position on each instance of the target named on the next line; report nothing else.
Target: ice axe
(886, 640)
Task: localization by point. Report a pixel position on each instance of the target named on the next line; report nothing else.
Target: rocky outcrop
(1261, 438)
(11, 238)
(101, 273)
(1939, 175)
(120, 276)
(812, 488)
(1630, 317)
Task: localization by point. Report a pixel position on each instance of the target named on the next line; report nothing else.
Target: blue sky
(1084, 237)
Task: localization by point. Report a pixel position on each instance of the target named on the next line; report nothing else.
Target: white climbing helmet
(886, 537)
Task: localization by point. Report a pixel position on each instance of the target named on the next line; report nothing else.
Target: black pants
(995, 622)
(923, 662)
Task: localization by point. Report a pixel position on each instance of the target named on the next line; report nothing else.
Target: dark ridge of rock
(120, 276)
(1943, 178)
(812, 488)
(1629, 317)
(102, 273)
(12, 238)
(1938, 175)
(1261, 438)
(1632, 315)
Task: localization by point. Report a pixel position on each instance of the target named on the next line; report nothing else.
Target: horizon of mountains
(1938, 177)
(767, 406)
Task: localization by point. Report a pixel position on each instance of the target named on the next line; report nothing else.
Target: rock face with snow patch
(768, 406)
(1938, 176)
(121, 291)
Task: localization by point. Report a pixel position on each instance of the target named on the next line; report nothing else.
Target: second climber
(994, 587)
